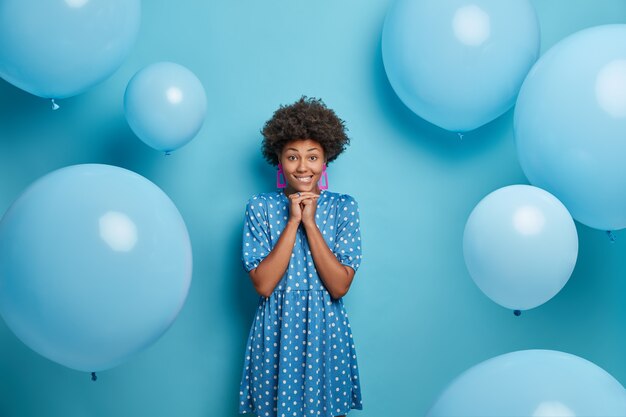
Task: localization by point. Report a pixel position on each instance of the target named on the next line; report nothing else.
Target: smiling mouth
(306, 179)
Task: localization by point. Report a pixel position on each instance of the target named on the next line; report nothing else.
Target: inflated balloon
(459, 64)
(520, 246)
(165, 105)
(534, 383)
(95, 264)
(58, 49)
(570, 125)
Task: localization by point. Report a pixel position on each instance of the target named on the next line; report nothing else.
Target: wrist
(294, 221)
(309, 223)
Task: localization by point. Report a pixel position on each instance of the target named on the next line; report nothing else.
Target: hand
(297, 205)
(308, 210)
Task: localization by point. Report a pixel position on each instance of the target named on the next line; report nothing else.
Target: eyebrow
(308, 150)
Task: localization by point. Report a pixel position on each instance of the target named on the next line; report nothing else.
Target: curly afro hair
(307, 118)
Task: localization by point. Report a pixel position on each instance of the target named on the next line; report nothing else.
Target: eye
(291, 158)
(313, 158)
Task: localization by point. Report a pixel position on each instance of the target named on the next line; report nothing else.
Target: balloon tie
(168, 153)
(54, 105)
(93, 376)
(517, 313)
(611, 236)
(460, 135)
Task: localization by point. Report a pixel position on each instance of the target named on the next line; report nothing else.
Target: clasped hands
(302, 207)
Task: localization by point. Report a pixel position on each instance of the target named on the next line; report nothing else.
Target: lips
(304, 179)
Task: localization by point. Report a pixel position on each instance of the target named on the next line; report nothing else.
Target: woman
(301, 247)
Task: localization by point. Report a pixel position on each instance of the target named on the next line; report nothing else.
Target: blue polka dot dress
(300, 358)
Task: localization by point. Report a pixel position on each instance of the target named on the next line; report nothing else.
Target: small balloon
(165, 105)
(520, 246)
(95, 264)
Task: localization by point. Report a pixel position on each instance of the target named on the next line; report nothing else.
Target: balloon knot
(93, 376)
(517, 312)
(460, 135)
(54, 105)
(611, 236)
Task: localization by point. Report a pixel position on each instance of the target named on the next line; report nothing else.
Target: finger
(309, 200)
(297, 199)
(303, 194)
(296, 196)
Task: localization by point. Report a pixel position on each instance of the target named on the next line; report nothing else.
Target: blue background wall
(417, 317)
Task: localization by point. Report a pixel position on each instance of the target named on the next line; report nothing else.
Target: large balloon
(533, 383)
(95, 264)
(165, 105)
(520, 246)
(459, 64)
(60, 48)
(570, 125)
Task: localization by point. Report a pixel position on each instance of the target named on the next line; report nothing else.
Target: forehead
(303, 145)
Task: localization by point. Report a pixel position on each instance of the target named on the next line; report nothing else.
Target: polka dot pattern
(300, 357)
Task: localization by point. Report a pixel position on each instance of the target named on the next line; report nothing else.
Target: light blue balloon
(520, 246)
(532, 383)
(95, 264)
(60, 48)
(165, 105)
(570, 125)
(459, 64)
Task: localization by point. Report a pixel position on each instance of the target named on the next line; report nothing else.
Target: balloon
(60, 48)
(459, 64)
(520, 246)
(165, 105)
(95, 264)
(533, 383)
(570, 124)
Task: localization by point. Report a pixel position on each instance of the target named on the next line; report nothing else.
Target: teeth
(304, 179)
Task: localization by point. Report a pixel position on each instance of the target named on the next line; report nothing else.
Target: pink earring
(280, 177)
(323, 185)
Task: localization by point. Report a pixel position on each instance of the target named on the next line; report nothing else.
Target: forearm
(268, 274)
(335, 276)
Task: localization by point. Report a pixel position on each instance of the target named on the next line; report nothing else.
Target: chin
(305, 187)
(302, 188)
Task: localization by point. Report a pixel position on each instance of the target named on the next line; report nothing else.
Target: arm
(336, 277)
(271, 269)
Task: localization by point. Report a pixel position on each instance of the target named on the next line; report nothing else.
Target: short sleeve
(348, 241)
(256, 238)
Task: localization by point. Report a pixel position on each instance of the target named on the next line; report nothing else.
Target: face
(302, 161)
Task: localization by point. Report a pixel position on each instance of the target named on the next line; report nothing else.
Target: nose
(301, 165)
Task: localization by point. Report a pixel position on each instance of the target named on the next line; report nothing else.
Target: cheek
(287, 165)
